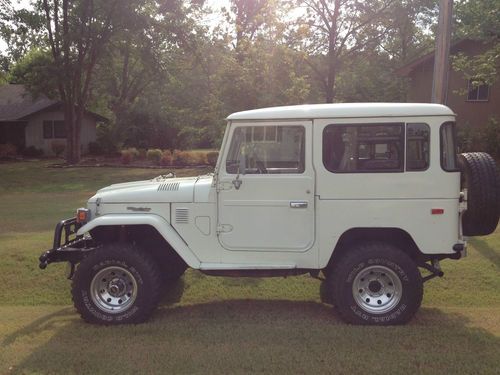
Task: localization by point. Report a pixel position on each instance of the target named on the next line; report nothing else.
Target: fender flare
(159, 223)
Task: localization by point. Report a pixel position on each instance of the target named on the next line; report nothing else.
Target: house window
(54, 129)
(477, 93)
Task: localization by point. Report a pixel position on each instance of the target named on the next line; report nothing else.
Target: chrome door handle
(298, 204)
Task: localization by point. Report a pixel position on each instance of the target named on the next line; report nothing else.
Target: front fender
(157, 222)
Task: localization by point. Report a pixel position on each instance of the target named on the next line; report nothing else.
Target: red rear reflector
(437, 211)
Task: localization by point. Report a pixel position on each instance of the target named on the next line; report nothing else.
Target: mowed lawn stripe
(263, 336)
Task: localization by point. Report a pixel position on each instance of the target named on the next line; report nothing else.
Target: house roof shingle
(16, 103)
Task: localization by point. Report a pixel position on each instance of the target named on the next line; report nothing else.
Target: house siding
(34, 131)
(472, 114)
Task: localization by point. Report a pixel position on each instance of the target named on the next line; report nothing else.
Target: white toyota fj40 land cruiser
(365, 193)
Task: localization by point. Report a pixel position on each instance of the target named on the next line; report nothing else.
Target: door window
(267, 150)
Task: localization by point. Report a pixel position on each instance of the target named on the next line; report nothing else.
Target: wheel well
(147, 238)
(394, 236)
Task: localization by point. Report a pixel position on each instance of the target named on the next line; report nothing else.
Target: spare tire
(480, 177)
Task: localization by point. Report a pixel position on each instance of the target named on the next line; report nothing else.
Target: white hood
(157, 190)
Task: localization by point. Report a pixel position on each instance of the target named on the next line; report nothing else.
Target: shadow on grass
(486, 250)
(246, 336)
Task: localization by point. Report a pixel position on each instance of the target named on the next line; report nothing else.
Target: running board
(251, 270)
(236, 266)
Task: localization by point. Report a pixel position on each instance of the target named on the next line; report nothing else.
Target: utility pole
(442, 54)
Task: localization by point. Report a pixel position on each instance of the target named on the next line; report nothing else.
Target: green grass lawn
(222, 325)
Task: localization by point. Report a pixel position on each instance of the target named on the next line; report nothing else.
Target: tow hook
(434, 268)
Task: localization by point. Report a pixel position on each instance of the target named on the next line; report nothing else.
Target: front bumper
(67, 247)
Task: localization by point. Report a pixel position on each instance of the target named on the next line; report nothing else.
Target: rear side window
(363, 148)
(448, 147)
(417, 147)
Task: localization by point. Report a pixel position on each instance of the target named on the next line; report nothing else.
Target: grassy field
(217, 325)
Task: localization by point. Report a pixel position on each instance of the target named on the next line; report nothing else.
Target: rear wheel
(117, 284)
(376, 284)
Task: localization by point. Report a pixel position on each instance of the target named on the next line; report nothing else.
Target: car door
(266, 188)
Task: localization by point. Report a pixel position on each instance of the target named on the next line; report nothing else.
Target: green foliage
(479, 20)
(486, 138)
(36, 70)
(154, 155)
(482, 68)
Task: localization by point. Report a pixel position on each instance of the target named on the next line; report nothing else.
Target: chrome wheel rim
(113, 290)
(377, 289)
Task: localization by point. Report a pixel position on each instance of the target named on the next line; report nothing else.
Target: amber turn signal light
(82, 215)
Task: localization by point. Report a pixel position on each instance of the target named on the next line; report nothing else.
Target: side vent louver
(169, 186)
(182, 215)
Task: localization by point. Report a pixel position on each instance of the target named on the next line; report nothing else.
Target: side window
(448, 147)
(267, 149)
(417, 147)
(363, 148)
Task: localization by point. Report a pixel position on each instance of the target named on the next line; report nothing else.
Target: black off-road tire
(130, 266)
(362, 267)
(480, 177)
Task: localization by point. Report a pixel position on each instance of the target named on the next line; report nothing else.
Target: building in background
(38, 122)
(474, 106)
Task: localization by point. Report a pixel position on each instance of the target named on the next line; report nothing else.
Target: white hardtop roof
(343, 110)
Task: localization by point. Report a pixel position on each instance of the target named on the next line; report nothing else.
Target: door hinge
(224, 228)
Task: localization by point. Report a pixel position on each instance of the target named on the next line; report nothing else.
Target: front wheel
(376, 284)
(116, 284)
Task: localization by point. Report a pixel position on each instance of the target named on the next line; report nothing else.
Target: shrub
(58, 147)
(7, 151)
(95, 148)
(32, 152)
(154, 155)
(198, 157)
(128, 155)
(181, 157)
(491, 137)
(166, 158)
(212, 157)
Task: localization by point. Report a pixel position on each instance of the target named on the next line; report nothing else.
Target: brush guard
(67, 247)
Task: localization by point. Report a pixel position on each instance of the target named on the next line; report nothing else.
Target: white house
(38, 121)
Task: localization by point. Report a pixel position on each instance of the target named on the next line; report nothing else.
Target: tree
(407, 25)
(329, 32)
(77, 31)
(479, 20)
(22, 30)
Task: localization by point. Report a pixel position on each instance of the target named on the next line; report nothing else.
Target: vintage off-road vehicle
(365, 194)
